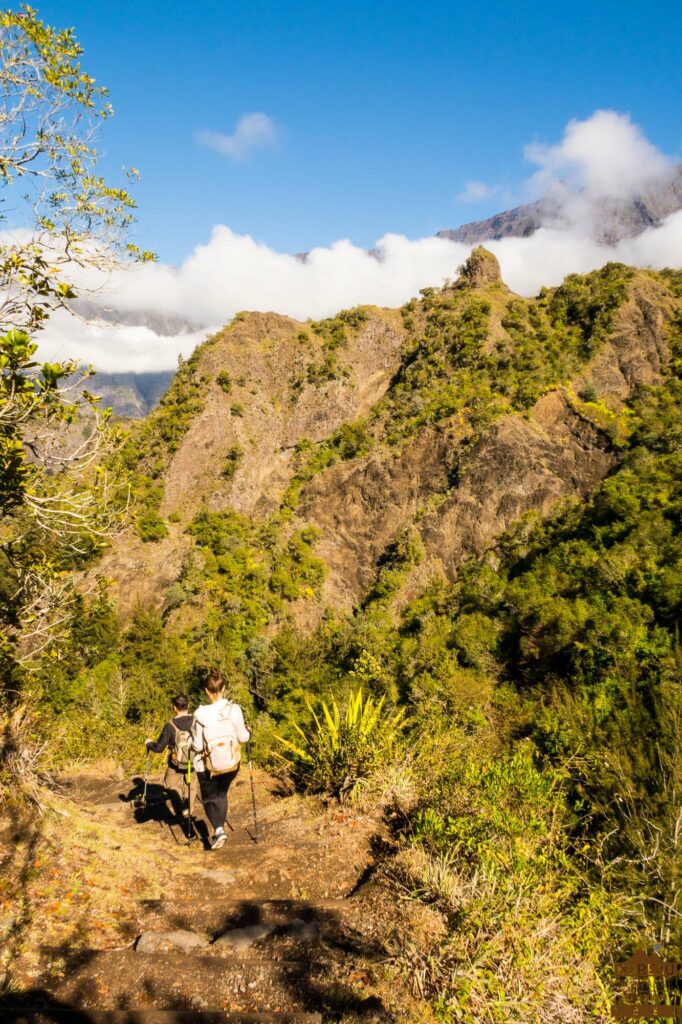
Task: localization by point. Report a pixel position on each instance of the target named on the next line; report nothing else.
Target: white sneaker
(219, 839)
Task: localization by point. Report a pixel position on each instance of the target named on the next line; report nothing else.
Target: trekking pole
(141, 801)
(190, 823)
(146, 779)
(253, 793)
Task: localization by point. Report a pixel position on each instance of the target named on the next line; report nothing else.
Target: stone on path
(222, 877)
(159, 942)
(242, 938)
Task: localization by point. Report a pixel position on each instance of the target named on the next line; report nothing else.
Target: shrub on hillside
(528, 933)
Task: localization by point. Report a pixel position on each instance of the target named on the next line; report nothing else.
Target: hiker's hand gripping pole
(253, 793)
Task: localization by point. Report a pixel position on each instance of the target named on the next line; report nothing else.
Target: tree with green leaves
(61, 222)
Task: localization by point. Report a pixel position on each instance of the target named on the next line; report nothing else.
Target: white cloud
(476, 192)
(252, 132)
(114, 348)
(232, 272)
(603, 158)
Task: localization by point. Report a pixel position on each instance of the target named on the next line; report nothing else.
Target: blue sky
(382, 111)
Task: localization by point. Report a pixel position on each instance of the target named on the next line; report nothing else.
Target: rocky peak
(481, 268)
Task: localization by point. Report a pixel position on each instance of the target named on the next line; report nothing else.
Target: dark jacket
(167, 737)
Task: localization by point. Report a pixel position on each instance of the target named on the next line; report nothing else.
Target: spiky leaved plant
(340, 749)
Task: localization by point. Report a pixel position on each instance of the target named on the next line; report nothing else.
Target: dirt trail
(288, 928)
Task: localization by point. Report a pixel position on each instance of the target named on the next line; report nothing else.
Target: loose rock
(222, 877)
(159, 942)
(242, 938)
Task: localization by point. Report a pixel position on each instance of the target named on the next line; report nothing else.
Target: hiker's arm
(164, 740)
(196, 736)
(243, 734)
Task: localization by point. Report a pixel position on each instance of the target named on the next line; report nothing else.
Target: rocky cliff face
(265, 389)
(275, 391)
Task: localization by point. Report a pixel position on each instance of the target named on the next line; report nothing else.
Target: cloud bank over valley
(599, 162)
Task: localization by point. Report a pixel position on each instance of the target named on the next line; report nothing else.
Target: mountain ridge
(132, 395)
(614, 219)
(356, 427)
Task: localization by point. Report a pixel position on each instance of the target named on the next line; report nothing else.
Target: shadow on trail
(149, 805)
(321, 963)
(39, 1007)
(157, 805)
(323, 945)
(26, 834)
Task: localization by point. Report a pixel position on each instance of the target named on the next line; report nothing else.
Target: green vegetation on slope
(537, 778)
(152, 442)
(450, 368)
(453, 366)
(333, 334)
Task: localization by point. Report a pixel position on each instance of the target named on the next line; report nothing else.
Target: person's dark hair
(214, 682)
(181, 702)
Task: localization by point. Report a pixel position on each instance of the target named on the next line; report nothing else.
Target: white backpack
(222, 749)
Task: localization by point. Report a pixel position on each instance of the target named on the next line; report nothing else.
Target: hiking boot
(219, 839)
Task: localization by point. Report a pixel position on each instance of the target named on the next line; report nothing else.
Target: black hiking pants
(214, 795)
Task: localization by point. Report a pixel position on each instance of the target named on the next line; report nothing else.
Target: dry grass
(513, 950)
(67, 882)
(25, 759)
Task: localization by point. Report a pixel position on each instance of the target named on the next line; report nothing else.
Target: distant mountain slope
(615, 220)
(156, 320)
(445, 422)
(131, 395)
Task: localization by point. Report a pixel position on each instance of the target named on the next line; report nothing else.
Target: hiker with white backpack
(218, 731)
(176, 738)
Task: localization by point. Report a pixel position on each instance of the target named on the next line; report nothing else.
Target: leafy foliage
(57, 508)
(539, 725)
(349, 442)
(232, 460)
(528, 927)
(50, 110)
(333, 334)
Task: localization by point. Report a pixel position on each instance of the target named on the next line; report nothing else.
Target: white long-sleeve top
(207, 714)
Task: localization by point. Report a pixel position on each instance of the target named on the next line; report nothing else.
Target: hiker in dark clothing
(171, 739)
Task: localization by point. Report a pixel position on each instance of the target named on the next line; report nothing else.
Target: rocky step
(127, 979)
(220, 914)
(298, 940)
(278, 873)
(21, 1012)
